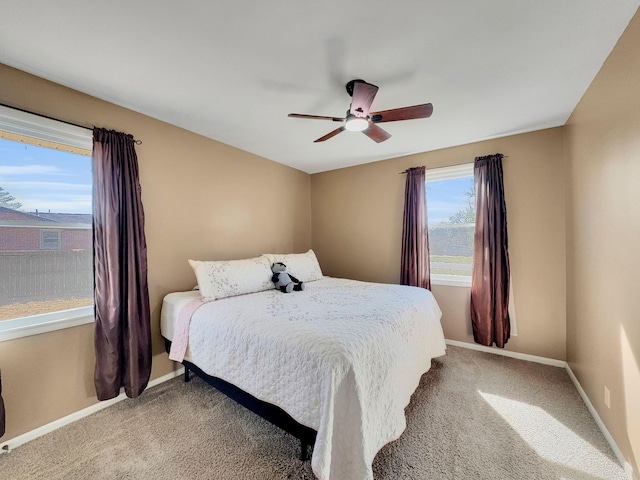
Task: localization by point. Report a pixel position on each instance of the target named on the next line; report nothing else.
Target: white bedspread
(342, 357)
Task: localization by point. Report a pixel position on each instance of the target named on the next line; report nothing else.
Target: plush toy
(284, 282)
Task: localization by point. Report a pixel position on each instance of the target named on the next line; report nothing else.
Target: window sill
(46, 322)
(451, 281)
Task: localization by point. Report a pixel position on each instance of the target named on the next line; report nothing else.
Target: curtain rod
(137, 142)
(451, 165)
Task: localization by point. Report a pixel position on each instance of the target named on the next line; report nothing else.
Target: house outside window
(46, 256)
(451, 224)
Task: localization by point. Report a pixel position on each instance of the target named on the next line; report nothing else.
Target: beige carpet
(474, 416)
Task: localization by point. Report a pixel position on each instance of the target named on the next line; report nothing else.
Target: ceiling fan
(360, 119)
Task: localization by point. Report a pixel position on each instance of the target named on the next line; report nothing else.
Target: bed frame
(268, 411)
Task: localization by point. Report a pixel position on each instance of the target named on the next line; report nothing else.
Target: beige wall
(603, 242)
(357, 227)
(202, 199)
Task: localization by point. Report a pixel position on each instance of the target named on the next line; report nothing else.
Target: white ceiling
(233, 70)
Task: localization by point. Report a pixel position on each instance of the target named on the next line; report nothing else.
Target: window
(451, 223)
(46, 258)
(49, 239)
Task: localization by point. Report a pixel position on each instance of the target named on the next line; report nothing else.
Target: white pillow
(229, 278)
(303, 266)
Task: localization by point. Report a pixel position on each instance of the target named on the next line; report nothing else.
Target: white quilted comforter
(342, 357)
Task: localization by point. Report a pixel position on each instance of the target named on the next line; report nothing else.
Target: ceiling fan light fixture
(356, 124)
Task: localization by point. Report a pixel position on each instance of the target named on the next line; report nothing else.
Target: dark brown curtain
(122, 330)
(414, 265)
(490, 277)
(2, 414)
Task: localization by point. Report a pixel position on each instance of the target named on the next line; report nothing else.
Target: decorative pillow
(303, 266)
(229, 278)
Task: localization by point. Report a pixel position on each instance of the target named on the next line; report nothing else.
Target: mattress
(342, 357)
(171, 306)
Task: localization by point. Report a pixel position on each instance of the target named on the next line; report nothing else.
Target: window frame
(45, 322)
(21, 123)
(43, 232)
(448, 173)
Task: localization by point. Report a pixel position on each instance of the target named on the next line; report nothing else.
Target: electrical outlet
(607, 397)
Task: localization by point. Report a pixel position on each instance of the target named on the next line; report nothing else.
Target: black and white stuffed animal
(284, 282)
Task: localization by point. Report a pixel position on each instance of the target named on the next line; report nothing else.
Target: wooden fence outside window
(45, 275)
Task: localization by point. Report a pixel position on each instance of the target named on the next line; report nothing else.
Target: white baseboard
(558, 363)
(612, 443)
(50, 427)
(506, 353)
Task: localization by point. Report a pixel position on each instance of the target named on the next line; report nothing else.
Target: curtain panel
(122, 328)
(414, 264)
(490, 277)
(2, 413)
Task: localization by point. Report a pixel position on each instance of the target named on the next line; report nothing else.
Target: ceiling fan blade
(363, 95)
(404, 113)
(315, 117)
(376, 134)
(329, 135)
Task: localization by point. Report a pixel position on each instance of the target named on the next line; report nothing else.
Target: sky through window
(45, 179)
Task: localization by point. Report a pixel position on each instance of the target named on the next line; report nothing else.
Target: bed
(335, 364)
